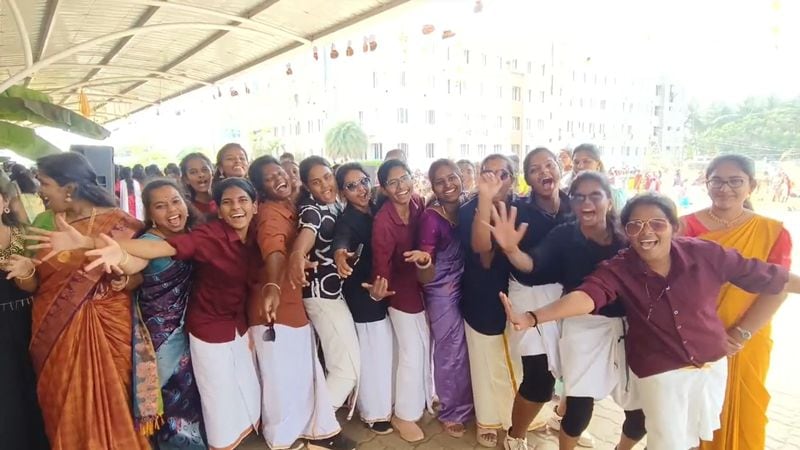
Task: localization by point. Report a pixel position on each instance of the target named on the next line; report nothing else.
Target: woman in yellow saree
(730, 180)
(81, 338)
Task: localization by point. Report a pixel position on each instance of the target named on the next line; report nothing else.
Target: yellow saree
(744, 414)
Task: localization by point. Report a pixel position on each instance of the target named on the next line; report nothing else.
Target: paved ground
(783, 431)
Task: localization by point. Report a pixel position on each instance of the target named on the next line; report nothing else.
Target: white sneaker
(586, 440)
(511, 443)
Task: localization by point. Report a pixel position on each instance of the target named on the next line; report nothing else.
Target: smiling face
(276, 182)
(650, 233)
(293, 170)
(543, 174)
(322, 184)
(54, 196)
(357, 189)
(167, 209)
(198, 175)
(584, 161)
(446, 185)
(236, 208)
(590, 203)
(729, 186)
(399, 186)
(234, 163)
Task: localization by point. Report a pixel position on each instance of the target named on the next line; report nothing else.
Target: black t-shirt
(324, 281)
(480, 303)
(540, 222)
(565, 256)
(353, 228)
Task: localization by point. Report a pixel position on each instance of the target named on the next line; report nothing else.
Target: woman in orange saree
(81, 338)
(730, 180)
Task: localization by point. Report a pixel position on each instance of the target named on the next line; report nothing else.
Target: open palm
(64, 239)
(503, 227)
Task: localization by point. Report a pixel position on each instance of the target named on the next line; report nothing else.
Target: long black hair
(256, 173)
(193, 217)
(184, 168)
(139, 174)
(221, 155)
(9, 218)
(344, 169)
(305, 169)
(126, 174)
(23, 178)
(593, 153)
(526, 163)
(612, 219)
(71, 167)
(442, 162)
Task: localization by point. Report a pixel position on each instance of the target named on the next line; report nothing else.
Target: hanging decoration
(447, 34)
(234, 92)
(86, 110)
(334, 52)
(373, 44)
(316, 54)
(349, 51)
(289, 69)
(365, 47)
(428, 29)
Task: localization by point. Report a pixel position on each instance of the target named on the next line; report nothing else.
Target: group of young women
(211, 319)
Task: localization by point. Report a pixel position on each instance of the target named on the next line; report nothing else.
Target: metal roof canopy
(127, 55)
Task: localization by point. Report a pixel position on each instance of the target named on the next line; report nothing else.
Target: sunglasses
(502, 174)
(353, 185)
(717, 183)
(594, 197)
(635, 227)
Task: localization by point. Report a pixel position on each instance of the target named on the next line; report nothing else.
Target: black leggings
(537, 381)
(579, 413)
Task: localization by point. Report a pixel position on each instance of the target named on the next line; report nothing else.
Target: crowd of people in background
(197, 304)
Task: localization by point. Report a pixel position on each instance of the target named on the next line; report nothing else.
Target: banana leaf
(24, 141)
(19, 104)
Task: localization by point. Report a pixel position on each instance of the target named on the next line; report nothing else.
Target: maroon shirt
(390, 239)
(217, 307)
(673, 321)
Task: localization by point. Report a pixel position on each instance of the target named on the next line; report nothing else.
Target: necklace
(444, 214)
(723, 222)
(653, 302)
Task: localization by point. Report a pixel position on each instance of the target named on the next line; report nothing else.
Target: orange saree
(81, 348)
(744, 413)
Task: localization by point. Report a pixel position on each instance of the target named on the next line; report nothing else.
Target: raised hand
(417, 257)
(110, 256)
(504, 232)
(64, 239)
(19, 266)
(379, 289)
(343, 267)
(489, 185)
(521, 321)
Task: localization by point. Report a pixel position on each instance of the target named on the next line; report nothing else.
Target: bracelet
(29, 276)
(422, 267)
(124, 259)
(268, 285)
(535, 318)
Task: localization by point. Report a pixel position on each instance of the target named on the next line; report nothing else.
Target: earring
(6, 210)
(69, 198)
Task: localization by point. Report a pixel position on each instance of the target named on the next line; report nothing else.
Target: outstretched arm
(576, 303)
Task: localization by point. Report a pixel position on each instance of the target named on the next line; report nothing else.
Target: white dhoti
(683, 406)
(495, 374)
(229, 389)
(593, 363)
(542, 340)
(376, 343)
(294, 403)
(337, 333)
(414, 381)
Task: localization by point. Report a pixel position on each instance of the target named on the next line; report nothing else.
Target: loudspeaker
(102, 160)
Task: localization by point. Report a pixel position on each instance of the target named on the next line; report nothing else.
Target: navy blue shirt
(480, 302)
(540, 222)
(566, 256)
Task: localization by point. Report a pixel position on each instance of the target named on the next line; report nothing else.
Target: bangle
(124, 259)
(268, 285)
(425, 266)
(534, 317)
(29, 276)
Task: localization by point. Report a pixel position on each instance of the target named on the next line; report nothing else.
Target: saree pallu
(744, 413)
(81, 348)
(161, 345)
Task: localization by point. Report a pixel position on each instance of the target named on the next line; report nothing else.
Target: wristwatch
(746, 335)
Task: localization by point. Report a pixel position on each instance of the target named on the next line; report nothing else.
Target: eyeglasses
(353, 185)
(634, 227)
(594, 197)
(395, 183)
(450, 179)
(502, 174)
(717, 183)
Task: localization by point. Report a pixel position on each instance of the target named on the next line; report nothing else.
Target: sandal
(487, 437)
(454, 429)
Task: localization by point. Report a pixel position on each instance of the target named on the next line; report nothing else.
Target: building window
(483, 57)
(466, 56)
(658, 111)
(402, 115)
(499, 121)
(498, 148)
(297, 128)
(515, 122)
(499, 91)
(543, 68)
(374, 79)
(361, 118)
(514, 64)
(515, 149)
(528, 124)
(403, 79)
(500, 62)
(404, 147)
(530, 67)
(481, 150)
(429, 151)
(430, 117)
(541, 95)
(602, 104)
(530, 96)
(659, 90)
(310, 125)
(464, 149)
(656, 130)
(516, 93)
(540, 124)
(377, 151)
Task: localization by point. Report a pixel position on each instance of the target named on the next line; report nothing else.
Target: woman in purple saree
(437, 237)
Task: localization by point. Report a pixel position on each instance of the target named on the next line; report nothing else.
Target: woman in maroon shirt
(394, 238)
(676, 344)
(196, 170)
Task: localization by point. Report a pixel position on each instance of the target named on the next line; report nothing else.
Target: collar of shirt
(563, 205)
(414, 205)
(285, 208)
